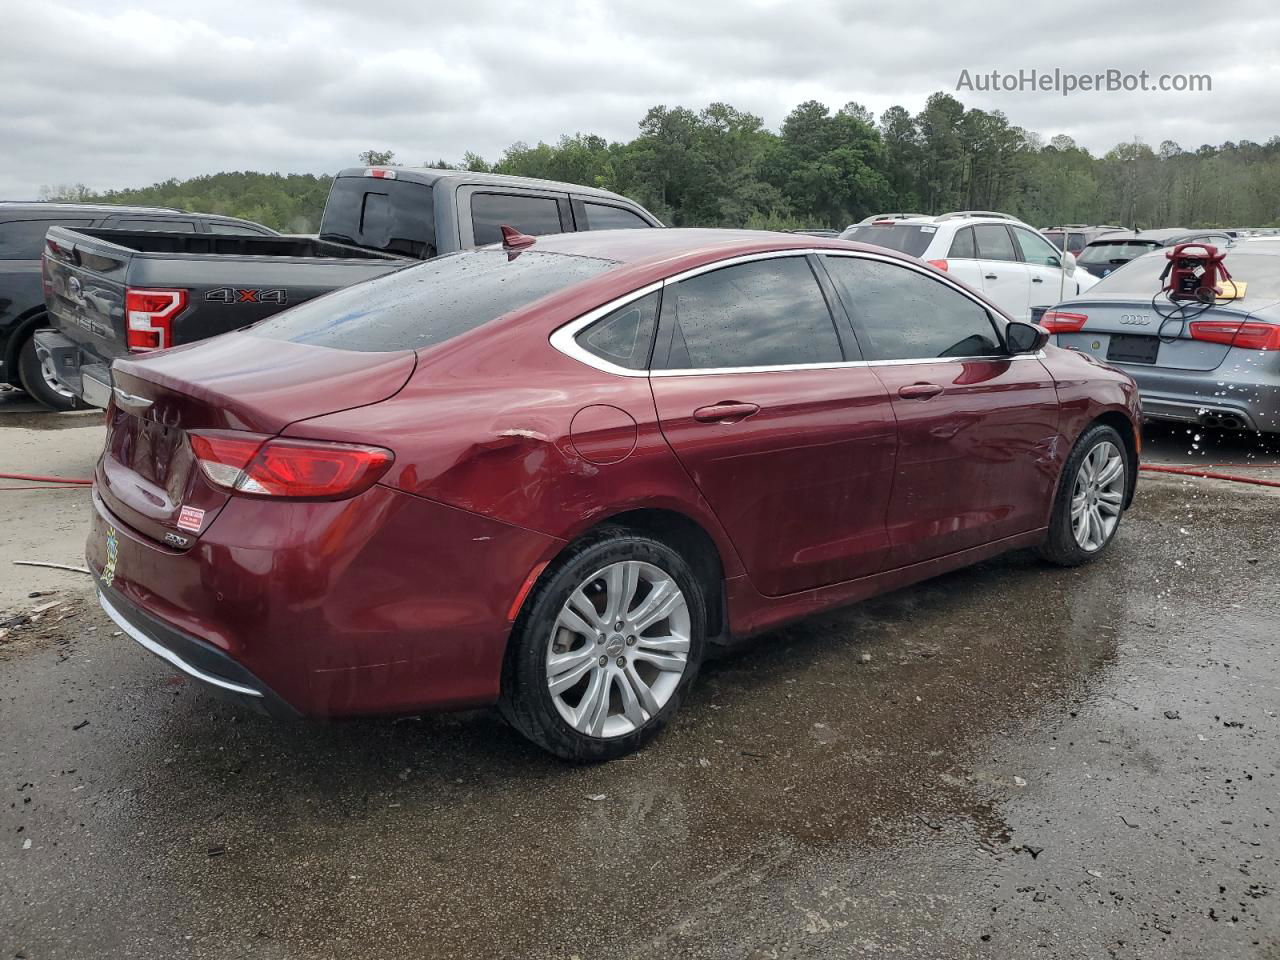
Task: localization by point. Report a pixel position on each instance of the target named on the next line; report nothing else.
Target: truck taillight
(1060, 321)
(263, 466)
(149, 317)
(940, 264)
(1246, 334)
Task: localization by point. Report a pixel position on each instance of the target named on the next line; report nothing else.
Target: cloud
(126, 94)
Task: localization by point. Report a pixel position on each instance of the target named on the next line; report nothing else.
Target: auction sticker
(190, 519)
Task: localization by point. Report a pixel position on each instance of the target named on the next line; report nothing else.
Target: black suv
(22, 307)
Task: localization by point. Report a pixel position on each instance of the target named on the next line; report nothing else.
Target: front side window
(1037, 250)
(903, 315)
(758, 314)
(427, 304)
(601, 216)
(994, 242)
(24, 239)
(534, 216)
(625, 336)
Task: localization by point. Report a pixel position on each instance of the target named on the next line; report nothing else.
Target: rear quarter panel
(518, 432)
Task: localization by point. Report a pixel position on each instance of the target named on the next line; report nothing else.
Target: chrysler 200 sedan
(547, 475)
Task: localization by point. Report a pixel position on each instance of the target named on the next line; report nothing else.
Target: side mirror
(1069, 262)
(1022, 337)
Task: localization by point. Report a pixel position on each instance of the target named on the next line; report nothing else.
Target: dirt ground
(1033, 763)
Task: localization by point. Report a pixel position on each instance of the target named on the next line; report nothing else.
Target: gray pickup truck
(112, 293)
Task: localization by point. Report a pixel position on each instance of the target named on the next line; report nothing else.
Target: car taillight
(149, 317)
(263, 466)
(1248, 335)
(1060, 321)
(940, 264)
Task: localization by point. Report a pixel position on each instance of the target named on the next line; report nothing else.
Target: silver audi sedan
(1216, 364)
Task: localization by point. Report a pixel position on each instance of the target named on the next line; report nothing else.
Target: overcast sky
(118, 94)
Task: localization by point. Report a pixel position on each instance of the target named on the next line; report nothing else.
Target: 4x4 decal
(236, 295)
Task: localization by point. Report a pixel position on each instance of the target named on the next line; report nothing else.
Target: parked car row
(549, 474)
(1008, 260)
(1212, 364)
(495, 445)
(112, 291)
(23, 227)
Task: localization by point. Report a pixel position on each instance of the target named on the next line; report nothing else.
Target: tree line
(721, 166)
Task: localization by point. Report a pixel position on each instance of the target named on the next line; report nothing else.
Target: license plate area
(1128, 348)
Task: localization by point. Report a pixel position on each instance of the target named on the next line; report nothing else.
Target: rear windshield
(428, 304)
(1140, 279)
(397, 216)
(907, 238)
(1105, 252)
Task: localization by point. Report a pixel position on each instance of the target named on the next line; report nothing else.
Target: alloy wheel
(618, 649)
(51, 380)
(1098, 496)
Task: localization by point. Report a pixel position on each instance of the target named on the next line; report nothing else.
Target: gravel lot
(1033, 763)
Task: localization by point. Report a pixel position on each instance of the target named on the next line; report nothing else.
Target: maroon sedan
(547, 476)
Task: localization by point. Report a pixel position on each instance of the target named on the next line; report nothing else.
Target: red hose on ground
(1209, 474)
(39, 479)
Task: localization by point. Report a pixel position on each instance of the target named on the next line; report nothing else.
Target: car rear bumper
(86, 375)
(1237, 395)
(194, 657)
(383, 603)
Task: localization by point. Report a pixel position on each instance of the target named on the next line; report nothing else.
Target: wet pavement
(1032, 763)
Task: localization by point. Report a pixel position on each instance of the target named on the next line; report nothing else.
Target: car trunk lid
(1137, 333)
(148, 475)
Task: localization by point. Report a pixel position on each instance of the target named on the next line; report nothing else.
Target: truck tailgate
(84, 286)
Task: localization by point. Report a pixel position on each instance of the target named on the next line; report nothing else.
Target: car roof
(684, 243)
(38, 206)
(432, 175)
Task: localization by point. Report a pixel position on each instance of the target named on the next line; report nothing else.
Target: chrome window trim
(563, 338)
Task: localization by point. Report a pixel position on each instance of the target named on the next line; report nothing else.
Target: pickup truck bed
(115, 292)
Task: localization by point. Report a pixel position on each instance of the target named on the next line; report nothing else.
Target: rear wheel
(605, 647)
(38, 379)
(1090, 499)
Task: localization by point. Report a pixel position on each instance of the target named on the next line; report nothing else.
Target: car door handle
(727, 411)
(919, 391)
(991, 276)
(1037, 279)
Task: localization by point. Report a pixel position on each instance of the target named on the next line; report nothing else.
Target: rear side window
(141, 223)
(534, 216)
(1076, 242)
(904, 238)
(762, 313)
(24, 239)
(601, 216)
(625, 336)
(396, 216)
(908, 316)
(428, 304)
(963, 247)
(994, 242)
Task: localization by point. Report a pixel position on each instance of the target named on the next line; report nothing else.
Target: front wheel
(38, 379)
(606, 646)
(1090, 499)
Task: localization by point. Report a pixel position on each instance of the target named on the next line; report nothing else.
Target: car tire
(35, 380)
(628, 578)
(1083, 525)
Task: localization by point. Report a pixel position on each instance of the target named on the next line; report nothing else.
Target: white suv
(1009, 261)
